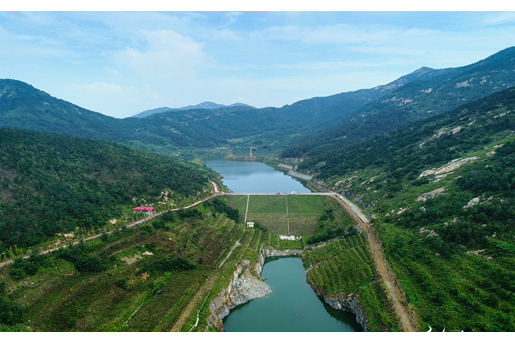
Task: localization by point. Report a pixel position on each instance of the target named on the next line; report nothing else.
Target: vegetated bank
(148, 278)
(55, 184)
(441, 194)
(164, 275)
(335, 255)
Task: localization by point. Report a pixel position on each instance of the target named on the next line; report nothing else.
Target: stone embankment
(244, 286)
(348, 303)
(293, 173)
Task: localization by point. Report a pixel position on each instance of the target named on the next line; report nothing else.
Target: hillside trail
(406, 321)
(195, 303)
(216, 191)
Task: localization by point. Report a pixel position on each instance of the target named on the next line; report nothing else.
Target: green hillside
(442, 194)
(52, 183)
(174, 132)
(424, 97)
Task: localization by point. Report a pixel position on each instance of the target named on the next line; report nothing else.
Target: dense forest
(52, 183)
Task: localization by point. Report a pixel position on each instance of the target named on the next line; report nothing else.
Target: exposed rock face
(243, 287)
(349, 303)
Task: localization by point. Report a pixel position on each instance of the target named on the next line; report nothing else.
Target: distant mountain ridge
(432, 92)
(318, 125)
(207, 105)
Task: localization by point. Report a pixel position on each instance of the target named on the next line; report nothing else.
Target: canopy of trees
(52, 183)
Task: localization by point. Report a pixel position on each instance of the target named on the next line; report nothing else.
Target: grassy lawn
(275, 212)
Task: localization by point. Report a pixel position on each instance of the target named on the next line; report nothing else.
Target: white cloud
(164, 54)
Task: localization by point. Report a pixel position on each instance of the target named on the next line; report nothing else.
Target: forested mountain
(23, 106)
(320, 124)
(207, 105)
(442, 192)
(51, 183)
(438, 92)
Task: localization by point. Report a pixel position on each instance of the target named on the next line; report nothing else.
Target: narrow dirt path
(216, 189)
(195, 303)
(407, 322)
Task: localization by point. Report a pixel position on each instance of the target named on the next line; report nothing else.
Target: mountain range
(207, 105)
(307, 127)
(429, 157)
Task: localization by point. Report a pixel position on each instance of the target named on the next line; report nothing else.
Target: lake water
(292, 306)
(255, 177)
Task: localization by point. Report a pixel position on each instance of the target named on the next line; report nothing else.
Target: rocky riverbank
(245, 286)
(348, 303)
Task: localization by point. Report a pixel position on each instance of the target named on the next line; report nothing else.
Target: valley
(409, 225)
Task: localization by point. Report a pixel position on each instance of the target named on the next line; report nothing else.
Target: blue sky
(122, 63)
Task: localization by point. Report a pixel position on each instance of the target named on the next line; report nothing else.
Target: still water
(255, 177)
(291, 307)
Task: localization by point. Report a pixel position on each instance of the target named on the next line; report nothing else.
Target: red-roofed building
(146, 209)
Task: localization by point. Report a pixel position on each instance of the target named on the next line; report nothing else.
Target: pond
(292, 306)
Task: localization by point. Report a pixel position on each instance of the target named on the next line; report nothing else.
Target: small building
(250, 224)
(145, 209)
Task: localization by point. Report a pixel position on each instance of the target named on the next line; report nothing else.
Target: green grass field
(283, 214)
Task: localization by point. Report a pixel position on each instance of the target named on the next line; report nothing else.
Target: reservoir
(292, 306)
(255, 177)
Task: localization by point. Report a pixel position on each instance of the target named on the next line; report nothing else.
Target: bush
(10, 312)
(167, 264)
(122, 284)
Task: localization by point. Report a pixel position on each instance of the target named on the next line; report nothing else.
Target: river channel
(292, 306)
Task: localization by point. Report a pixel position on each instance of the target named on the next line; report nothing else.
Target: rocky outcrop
(348, 303)
(244, 287)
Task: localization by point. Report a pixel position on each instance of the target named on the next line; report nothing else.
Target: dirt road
(195, 303)
(406, 320)
(216, 192)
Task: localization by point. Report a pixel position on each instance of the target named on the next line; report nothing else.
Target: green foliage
(221, 206)
(450, 240)
(166, 264)
(10, 312)
(122, 283)
(53, 183)
(344, 266)
(189, 214)
(26, 267)
(83, 262)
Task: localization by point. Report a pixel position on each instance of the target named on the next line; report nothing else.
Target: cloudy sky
(122, 63)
